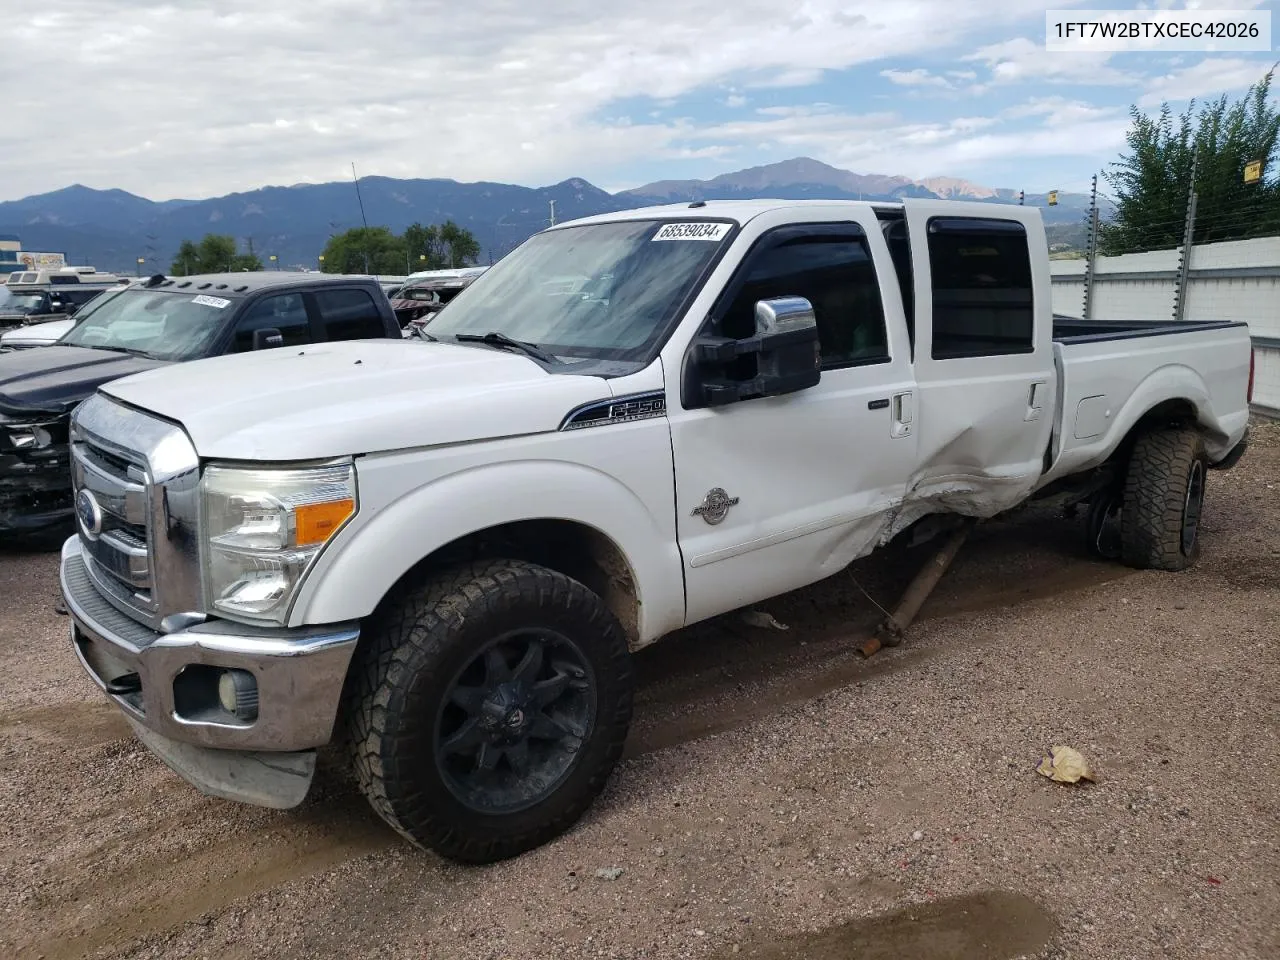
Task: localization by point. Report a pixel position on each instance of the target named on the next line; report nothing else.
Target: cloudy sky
(195, 99)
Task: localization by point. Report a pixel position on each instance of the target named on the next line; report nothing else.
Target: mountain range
(111, 229)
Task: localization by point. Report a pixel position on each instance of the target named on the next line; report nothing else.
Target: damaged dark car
(164, 320)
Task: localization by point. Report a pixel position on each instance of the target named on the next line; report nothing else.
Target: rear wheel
(1164, 500)
(490, 709)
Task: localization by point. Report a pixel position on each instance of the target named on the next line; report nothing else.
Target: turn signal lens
(315, 522)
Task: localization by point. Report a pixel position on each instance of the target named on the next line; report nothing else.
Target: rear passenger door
(983, 354)
(348, 314)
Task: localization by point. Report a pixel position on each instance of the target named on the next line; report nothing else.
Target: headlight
(264, 528)
(26, 433)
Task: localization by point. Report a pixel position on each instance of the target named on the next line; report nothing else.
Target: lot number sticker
(692, 231)
(211, 301)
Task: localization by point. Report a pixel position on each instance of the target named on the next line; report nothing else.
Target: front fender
(396, 531)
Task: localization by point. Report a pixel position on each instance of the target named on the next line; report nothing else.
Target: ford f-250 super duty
(442, 554)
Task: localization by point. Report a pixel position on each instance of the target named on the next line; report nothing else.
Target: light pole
(321, 259)
(272, 258)
(141, 262)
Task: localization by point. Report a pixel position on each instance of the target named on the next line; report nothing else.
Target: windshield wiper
(129, 350)
(498, 339)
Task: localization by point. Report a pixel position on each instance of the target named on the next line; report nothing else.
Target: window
(899, 242)
(286, 312)
(982, 300)
(78, 297)
(836, 275)
(349, 315)
(603, 291)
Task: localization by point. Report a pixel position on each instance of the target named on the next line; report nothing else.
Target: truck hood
(340, 399)
(56, 378)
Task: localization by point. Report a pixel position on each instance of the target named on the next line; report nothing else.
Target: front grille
(118, 551)
(136, 479)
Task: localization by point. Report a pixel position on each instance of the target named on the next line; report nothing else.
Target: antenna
(362, 216)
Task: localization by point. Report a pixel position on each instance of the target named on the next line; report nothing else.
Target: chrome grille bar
(141, 547)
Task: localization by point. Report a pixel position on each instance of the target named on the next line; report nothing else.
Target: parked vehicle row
(143, 326)
(37, 296)
(442, 555)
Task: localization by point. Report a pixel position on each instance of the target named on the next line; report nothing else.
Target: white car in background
(43, 334)
(36, 335)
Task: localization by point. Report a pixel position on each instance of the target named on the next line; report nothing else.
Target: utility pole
(1188, 237)
(1091, 249)
(553, 213)
(360, 200)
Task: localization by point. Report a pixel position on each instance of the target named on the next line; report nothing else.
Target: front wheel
(490, 709)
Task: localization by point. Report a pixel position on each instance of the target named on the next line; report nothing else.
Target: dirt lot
(780, 797)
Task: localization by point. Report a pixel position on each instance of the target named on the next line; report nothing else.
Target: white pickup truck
(441, 555)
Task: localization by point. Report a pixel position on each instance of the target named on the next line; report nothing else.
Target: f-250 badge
(715, 506)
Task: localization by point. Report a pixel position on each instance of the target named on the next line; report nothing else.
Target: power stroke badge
(715, 506)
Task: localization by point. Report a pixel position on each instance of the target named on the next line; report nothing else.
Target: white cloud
(1210, 77)
(1023, 61)
(916, 78)
(205, 97)
(885, 143)
(1060, 109)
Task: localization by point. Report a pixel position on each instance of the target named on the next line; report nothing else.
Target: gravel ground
(780, 797)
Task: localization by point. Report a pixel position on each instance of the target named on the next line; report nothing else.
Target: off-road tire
(1164, 466)
(420, 639)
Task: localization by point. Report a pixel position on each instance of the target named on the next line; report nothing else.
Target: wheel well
(1168, 413)
(573, 549)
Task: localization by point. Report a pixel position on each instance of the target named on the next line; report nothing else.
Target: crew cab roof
(247, 283)
(739, 211)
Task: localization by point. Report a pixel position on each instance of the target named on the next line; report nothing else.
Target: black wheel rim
(1192, 507)
(514, 720)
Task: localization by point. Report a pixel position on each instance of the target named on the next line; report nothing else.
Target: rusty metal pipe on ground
(893, 628)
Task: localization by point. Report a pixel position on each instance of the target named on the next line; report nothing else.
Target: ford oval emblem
(89, 513)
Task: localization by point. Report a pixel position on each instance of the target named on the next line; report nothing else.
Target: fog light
(238, 694)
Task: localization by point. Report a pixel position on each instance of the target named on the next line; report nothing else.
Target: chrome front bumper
(300, 673)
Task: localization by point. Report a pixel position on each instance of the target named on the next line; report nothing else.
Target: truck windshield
(602, 291)
(24, 303)
(159, 324)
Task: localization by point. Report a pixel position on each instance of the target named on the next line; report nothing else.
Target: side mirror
(785, 350)
(266, 338)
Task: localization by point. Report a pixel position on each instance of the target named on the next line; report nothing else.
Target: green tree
(365, 250)
(215, 253)
(1152, 181)
(420, 248)
(446, 245)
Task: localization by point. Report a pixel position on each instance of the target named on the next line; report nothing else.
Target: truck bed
(1112, 372)
(1068, 329)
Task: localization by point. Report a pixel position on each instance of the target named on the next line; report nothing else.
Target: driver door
(776, 492)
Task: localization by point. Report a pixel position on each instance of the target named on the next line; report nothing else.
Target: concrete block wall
(1141, 286)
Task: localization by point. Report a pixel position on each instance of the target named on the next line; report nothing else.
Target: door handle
(1035, 399)
(901, 415)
